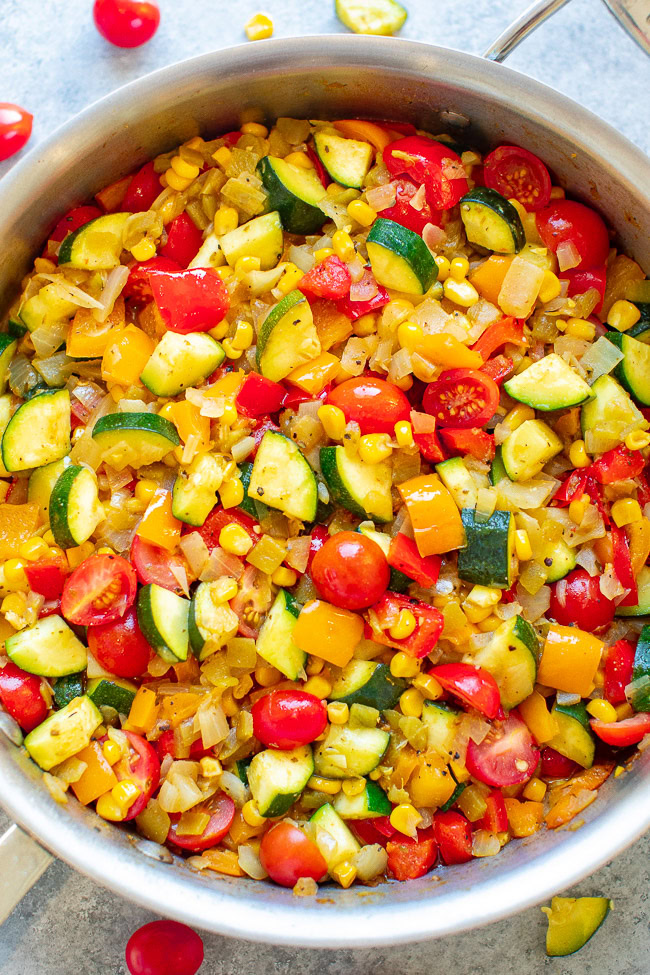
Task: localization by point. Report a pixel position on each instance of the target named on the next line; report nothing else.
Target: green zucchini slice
(163, 619)
(210, 619)
(180, 361)
(511, 658)
(349, 752)
(373, 801)
(260, 237)
(134, 439)
(364, 489)
(46, 308)
(64, 733)
(491, 221)
(194, 494)
(549, 384)
(49, 648)
(642, 607)
(276, 778)
(528, 448)
(75, 509)
(609, 416)
(39, 431)
(8, 346)
(633, 372)
(287, 338)
(283, 479)
(112, 692)
(488, 557)
(346, 160)
(574, 738)
(400, 259)
(295, 193)
(572, 921)
(275, 641)
(368, 682)
(97, 245)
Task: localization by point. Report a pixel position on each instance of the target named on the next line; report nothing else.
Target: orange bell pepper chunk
(488, 277)
(568, 806)
(541, 723)
(328, 631)
(158, 524)
(524, 818)
(314, 376)
(126, 355)
(227, 385)
(331, 324)
(98, 777)
(240, 831)
(187, 419)
(445, 350)
(223, 861)
(18, 522)
(570, 660)
(110, 198)
(144, 710)
(177, 707)
(436, 521)
(354, 128)
(88, 338)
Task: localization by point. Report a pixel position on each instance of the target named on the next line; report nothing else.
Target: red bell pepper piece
(430, 447)
(317, 538)
(321, 172)
(403, 555)
(454, 837)
(432, 163)
(621, 734)
(619, 664)
(617, 465)
(377, 830)
(294, 397)
(571, 489)
(498, 368)
(428, 624)
(189, 301)
(142, 190)
(183, 240)
(495, 818)
(329, 279)
(403, 213)
(494, 336)
(259, 396)
(581, 281)
(47, 576)
(409, 858)
(556, 766)
(474, 686)
(260, 429)
(469, 440)
(138, 285)
(20, 694)
(509, 595)
(623, 564)
(356, 309)
(643, 494)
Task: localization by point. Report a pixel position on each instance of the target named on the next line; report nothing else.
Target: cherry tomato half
(621, 734)
(516, 172)
(20, 694)
(15, 129)
(153, 564)
(328, 279)
(556, 766)
(100, 590)
(461, 398)
(195, 300)
(138, 286)
(433, 163)
(350, 571)
(454, 837)
(221, 810)
(166, 745)
(372, 403)
(164, 948)
(288, 719)
(473, 685)
(120, 646)
(567, 220)
(143, 768)
(577, 599)
(507, 756)
(142, 190)
(411, 858)
(252, 601)
(183, 240)
(287, 854)
(126, 23)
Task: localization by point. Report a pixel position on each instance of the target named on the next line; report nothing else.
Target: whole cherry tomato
(372, 403)
(183, 240)
(142, 767)
(120, 646)
(288, 719)
(221, 810)
(507, 756)
(474, 686)
(577, 599)
(350, 571)
(15, 129)
(138, 285)
(100, 590)
(126, 23)
(164, 948)
(516, 172)
(567, 220)
(20, 694)
(556, 766)
(287, 854)
(461, 398)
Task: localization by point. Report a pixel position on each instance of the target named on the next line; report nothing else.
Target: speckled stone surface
(54, 63)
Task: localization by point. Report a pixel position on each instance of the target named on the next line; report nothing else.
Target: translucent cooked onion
(209, 405)
(55, 369)
(221, 563)
(400, 366)
(484, 843)
(111, 291)
(89, 396)
(179, 573)
(433, 236)
(381, 197)
(233, 786)
(69, 292)
(600, 359)
(250, 862)
(528, 495)
(213, 723)
(587, 558)
(364, 289)
(534, 605)
(567, 255)
(609, 583)
(195, 551)
(21, 375)
(567, 698)
(298, 552)
(47, 339)
(370, 862)
(242, 449)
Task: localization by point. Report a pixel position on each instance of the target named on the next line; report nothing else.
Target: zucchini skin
(487, 558)
(297, 215)
(493, 206)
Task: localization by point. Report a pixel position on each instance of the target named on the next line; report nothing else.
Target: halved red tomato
(100, 590)
(569, 221)
(409, 858)
(252, 601)
(516, 172)
(507, 756)
(153, 564)
(461, 398)
(120, 646)
(221, 810)
(473, 685)
(621, 734)
(143, 768)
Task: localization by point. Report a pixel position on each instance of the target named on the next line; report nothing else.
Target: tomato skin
(47, 576)
(453, 834)
(469, 440)
(556, 766)
(195, 300)
(152, 564)
(621, 734)
(432, 163)
(287, 854)
(142, 190)
(581, 281)
(619, 667)
(183, 240)
(461, 398)
(495, 818)
(372, 403)
(317, 538)
(96, 576)
(164, 948)
(376, 830)
(498, 368)
(120, 646)
(516, 172)
(259, 396)
(288, 719)
(617, 465)
(429, 623)
(474, 686)
(143, 767)
(329, 279)
(567, 220)
(222, 812)
(350, 571)
(126, 23)
(75, 218)
(252, 601)
(406, 215)
(218, 519)
(138, 286)
(20, 694)
(577, 599)
(15, 129)
(495, 760)
(409, 858)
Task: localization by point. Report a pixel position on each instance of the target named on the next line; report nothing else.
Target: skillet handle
(529, 21)
(22, 862)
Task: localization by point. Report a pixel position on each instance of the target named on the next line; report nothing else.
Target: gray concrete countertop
(54, 65)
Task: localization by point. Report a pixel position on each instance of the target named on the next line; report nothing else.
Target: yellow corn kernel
(333, 420)
(314, 666)
(409, 335)
(14, 603)
(323, 252)
(404, 434)
(550, 287)
(344, 873)
(144, 249)
(365, 325)
(405, 818)
(444, 266)
(49, 537)
(411, 702)
(578, 454)
(535, 790)
(460, 292)
(353, 787)
(625, 511)
(523, 548)
(623, 711)
(292, 275)
(243, 337)
(580, 328)
(489, 624)
(108, 808)
(255, 128)
(374, 447)
(300, 159)
(33, 549)
(229, 414)
(428, 686)
(319, 784)
(404, 383)
(76, 556)
(258, 28)
(246, 264)
(476, 614)
(403, 665)
(145, 490)
(126, 792)
(14, 573)
(338, 712)
(111, 751)
(235, 540)
(484, 596)
(458, 267)
(231, 492)
(602, 710)
(362, 213)
(637, 440)
(618, 771)
(285, 577)
(577, 510)
(518, 415)
(557, 193)
(343, 245)
(267, 676)
(396, 311)
(404, 626)
(623, 315)
(226, 218)
(184, 169)
(250, 812)
(176, 182)
(318, 686)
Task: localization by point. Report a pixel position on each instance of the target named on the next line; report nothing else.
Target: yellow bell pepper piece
(638, 533)
(445, 350)
(331, 324)
(488, 277)
(541, 723)
(431, 784)
(144, 710)
(436, 521)
(228, 385)
(328, 632)
(570, 660)
(223, 861)
(524, 818)
(187, 419)
(158, 524)
(88, 338)
(314, 376)
(177, 707)
(98, 777)
(18, 522)
(126, 355)
(353, 128)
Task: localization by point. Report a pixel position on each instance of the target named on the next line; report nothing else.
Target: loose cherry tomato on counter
(195, 300)
(164, 948)
(153, 564)
(410, 858)
(288, 719)
(126, 23)
(120, 646)
(516, 172)
(404, 213)
(432, 163)
(453, 834)
(577, 599)
(329, 279)
(15, 129)
(621, 734)
(20, 694)
(566, 221)
(350, 571)
(221, 810)
(461, 398)
(287, 854)
(47, 576)
(403, 555)
(259, 396)
(374, 404)
(429, 623)
(183, 240)
(619, 666)
(138, 285)
(100, 590)
(556, 766)
(507, 756)
(166, 745)
(142, 190)
(474, 686)
(142, 767)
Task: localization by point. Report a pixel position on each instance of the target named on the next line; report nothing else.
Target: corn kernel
(125, 793)
(111, 751)
(618, 771)
(550, 287)
(396, 311)
(267, 676)
(518, 415)
(476, 614)
(625, 511)
(557, 193)
(404, 433)
(285, 577)
(344, 873)
(489, 624)
(145, 490)
(404, 625)
(523, 547)
(404, 383)
(33, 549)
(444, 267)
(184, 169)
(362, 213)
(258, 28)
(176, 182)
(535, 790)
(229, 414)
(318, 686)
(231, 492)
(637, 440)
(602, 710)
(246, 264)
(144, 249)
(254, 128)
(577, 510)
(623, 315)
(375, 775)
(338, 712)
(343, 246)
(14, 603)
(365, 325)
(460, 292)
(235, 540)
(333, 420)
(428, 686)
(409, 335)
(353, 787)
(580, 328)
(458, 268)
(403, 665)
(225, 220)
(484, 596)
(329, 786)
(300, 159)
(411, 702)
(243, 337)
(251, 814)
(14, 573)
(578, 454)
(228, 703)
(374, 447)
(405, 818)
(108, 808)
(292, 275)
(323, 252)
(314, 666)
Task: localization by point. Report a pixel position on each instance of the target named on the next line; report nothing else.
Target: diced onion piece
(302, 257)
(587, 558)
(112, 289)
(47, 339)
(609, 583)
(233, 786)
(381, 197)
(195, 551)
(484, 843)
(520, 288)
(370, 862)
(213, 724)
(432, 235)
(364, 289)
(600, 359)
(221, 563)
(179, 573)
(250, 862)
(567, 698)
(298, 552)
(567, 255)
(534, 605)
